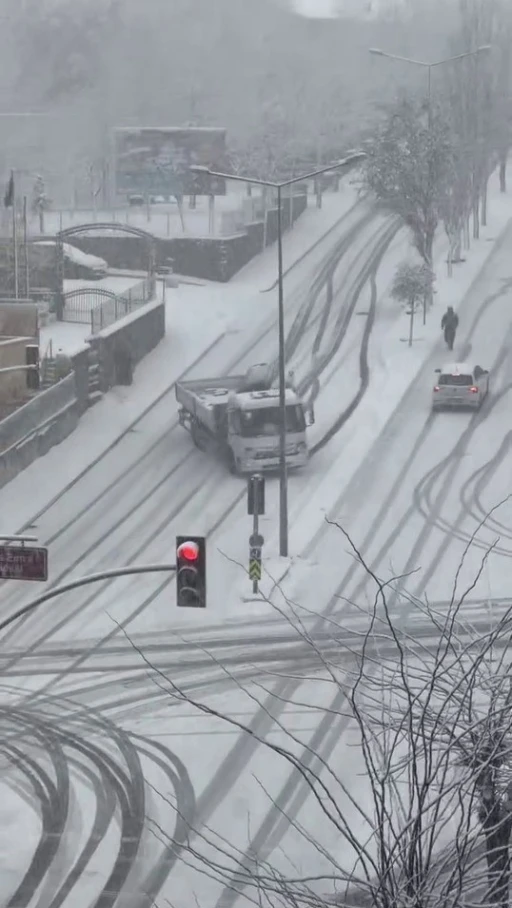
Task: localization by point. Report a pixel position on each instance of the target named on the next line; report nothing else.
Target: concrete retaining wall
(140, 331)
(32, 430)
(80, 362)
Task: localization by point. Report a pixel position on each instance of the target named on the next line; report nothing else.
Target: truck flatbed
(204, 398)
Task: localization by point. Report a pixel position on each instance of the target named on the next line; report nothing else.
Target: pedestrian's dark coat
(450, 320)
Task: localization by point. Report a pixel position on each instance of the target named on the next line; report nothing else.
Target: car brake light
(436, 388)
(474, 390)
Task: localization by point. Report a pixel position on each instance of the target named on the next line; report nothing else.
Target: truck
(238, 418)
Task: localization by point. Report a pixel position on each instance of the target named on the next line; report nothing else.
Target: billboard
(155, 161)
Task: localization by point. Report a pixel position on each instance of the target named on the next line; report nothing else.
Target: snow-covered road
(125, 509)
(415, 505)
(128, 507)
(120, 766)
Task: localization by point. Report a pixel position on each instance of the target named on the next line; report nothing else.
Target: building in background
(156, 161)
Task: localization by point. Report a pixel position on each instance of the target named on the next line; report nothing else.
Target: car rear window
(456, 380)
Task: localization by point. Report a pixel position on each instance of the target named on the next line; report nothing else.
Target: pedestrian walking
(449, 325)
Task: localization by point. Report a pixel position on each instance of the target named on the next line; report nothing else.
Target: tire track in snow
(116, 781)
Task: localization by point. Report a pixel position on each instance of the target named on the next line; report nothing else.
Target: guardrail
(42, 407)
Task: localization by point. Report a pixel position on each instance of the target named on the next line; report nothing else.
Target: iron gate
(80, 305)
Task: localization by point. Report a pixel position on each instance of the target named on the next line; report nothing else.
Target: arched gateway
(149, 239)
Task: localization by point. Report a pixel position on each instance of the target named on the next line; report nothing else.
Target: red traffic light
(188, 551)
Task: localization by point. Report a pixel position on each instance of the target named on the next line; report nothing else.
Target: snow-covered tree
(411, 283)
(408, 169)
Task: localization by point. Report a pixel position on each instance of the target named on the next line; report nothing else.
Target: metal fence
(100, 308)
(78, 304)
(111, 310)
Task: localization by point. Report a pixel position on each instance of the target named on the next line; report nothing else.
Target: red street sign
(25, 562)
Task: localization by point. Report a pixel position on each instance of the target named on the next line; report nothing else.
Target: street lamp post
(279, 186)
(376, 51)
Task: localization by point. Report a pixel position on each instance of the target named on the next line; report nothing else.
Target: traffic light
(191, 571)
(32, 359)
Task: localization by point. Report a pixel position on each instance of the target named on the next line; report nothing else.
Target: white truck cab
(460, 385)
(253, 430)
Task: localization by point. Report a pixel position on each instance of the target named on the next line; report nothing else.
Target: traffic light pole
(283, 472)
(255, 533)
(85, 581)
(256, 507)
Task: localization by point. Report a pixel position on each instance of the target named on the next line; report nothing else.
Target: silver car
(460, 385)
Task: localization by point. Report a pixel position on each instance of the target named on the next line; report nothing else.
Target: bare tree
(428, 822)
(503, 90)
(456, 204)
(479, 92)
